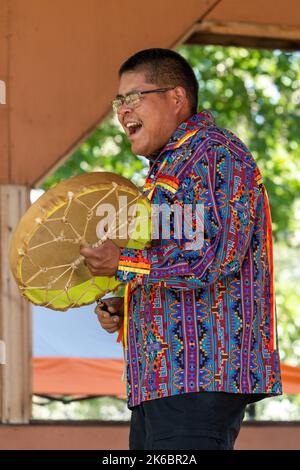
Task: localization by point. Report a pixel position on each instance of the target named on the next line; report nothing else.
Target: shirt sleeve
(222, 193)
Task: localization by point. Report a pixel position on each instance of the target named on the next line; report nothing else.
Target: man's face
(155, 116)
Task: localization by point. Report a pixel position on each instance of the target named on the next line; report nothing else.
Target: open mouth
(133, 128)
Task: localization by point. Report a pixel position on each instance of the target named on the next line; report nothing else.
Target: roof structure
(59, 62)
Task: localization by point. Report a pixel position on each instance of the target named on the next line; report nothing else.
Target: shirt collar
(183, 133)
(188, 128)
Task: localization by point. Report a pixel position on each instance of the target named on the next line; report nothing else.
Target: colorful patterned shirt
(203, 319)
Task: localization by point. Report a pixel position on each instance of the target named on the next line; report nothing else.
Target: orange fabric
(78, 376)
(290, 379)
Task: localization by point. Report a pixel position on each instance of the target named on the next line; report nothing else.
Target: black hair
(165, 67)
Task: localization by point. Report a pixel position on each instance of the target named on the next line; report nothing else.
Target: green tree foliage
(255, 93)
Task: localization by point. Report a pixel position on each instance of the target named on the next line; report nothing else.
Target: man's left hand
(103, 260)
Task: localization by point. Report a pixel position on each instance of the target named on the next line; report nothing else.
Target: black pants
(191, 421)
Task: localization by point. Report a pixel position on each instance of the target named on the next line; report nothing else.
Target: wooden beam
(245, 34)
(15, 317)
(249, 29)
(4, 91)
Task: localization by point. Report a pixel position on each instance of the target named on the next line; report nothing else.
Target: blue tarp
(75, 333)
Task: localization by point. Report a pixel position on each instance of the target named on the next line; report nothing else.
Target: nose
(123, 111)
(124, 108)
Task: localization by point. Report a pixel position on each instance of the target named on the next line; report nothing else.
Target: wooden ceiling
(59, 63)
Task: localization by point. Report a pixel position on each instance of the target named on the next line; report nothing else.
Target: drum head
(44, 252)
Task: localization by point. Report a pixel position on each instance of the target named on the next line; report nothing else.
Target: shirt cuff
(132, 264)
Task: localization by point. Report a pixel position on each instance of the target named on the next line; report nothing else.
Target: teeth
(133, 124)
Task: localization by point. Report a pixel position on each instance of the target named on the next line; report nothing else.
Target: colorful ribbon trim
(185, 137)
(165, 181)
(123, 330)
(273, 338)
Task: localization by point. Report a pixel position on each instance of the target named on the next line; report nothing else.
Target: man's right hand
(110, 322)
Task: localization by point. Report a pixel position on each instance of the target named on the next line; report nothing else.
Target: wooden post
(15, 317)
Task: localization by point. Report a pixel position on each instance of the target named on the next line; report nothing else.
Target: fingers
(102, 260)
(92, 267)
(90, 259)
(84, 244)
(86, 250)
(115, 305)
(108, 322)
(108, 306)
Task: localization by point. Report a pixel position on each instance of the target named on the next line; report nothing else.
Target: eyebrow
(129, 93)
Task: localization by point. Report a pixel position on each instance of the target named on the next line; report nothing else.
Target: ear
(180, 97)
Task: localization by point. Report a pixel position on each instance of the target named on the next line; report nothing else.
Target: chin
(139, 151)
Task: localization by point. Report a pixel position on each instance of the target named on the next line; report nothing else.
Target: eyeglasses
(133, 99)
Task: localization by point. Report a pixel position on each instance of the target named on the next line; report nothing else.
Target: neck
(181, 119)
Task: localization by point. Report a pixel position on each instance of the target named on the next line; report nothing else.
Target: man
(201, 328)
